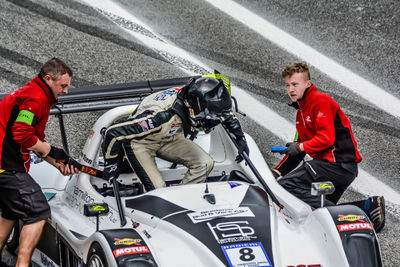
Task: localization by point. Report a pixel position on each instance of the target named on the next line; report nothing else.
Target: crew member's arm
(43, 149)
(25, 134)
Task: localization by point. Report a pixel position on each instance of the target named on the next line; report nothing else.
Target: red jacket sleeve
(324, 115)
(23, 130)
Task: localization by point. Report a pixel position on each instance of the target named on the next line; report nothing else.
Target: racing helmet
(208, 100)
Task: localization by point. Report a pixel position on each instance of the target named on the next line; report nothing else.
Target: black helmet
(207, 100)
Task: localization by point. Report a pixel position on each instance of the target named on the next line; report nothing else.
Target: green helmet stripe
(222, 77)
(25, 116)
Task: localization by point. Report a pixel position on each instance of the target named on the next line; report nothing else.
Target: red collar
(308, 91)
(46, 89)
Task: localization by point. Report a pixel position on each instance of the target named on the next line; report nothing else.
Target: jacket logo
(308, 119)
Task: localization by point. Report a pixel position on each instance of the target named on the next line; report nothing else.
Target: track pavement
(357, 34)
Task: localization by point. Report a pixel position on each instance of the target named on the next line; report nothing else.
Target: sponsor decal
(234, 184)
(174, 128)
(325, 186)
(144, 125)
(230, 232)
(207, 215)
(46, 261)
(88, 170)
(127, 241)
(86, 159)
(98, 208)
(164, 95)
(246, 254)
(130, 250)
(354, 226)
(83, 195)
(351, 218)
(150, 122)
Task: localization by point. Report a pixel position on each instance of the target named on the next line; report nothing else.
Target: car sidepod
(357, 234)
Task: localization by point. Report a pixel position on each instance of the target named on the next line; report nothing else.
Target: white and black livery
(240, 217)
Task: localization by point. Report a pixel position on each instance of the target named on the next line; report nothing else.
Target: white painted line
(370, 92)
(267, 118)
(180, 56)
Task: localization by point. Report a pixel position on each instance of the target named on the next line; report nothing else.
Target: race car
(239, 217)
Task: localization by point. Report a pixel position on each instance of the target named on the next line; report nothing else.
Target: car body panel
(177, 226)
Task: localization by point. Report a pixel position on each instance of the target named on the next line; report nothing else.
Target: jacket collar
(46, 89)
(301, 101)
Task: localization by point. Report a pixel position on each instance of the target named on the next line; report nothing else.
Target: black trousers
(298, 182)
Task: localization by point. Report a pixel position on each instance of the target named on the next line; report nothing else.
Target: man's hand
(293, 149)
(67, 169)
(242, 147)
(62, 161)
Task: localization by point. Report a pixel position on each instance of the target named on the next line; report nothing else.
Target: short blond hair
(300, 67)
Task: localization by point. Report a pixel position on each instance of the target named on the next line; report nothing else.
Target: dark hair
(300, 67)
(54, 67)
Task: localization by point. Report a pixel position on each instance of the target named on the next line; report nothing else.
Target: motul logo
(354, 226)
(130, 250)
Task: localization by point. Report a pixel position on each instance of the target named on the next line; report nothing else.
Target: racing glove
(58, 154)
(62, 157)
(293, 149)
(111, 169)
(242, 147)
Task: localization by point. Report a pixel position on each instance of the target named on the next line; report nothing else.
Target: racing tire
(13, 240)
(96, 257)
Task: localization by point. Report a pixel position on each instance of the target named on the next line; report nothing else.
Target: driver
(158, 128)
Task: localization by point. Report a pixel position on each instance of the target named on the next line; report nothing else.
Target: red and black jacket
(324, 130)
(23, 117)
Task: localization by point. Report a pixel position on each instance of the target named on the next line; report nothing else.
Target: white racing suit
(158, 128)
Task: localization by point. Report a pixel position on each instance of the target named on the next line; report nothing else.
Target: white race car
(240, 217)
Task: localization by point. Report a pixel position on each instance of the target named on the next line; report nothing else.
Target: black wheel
(96, 256)
(13, 240)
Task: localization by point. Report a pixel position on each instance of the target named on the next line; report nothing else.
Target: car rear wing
(94, 98)
(105, 97)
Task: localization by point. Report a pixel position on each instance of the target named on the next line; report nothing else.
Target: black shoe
(376, 212)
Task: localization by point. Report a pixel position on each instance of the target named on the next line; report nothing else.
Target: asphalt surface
(361, 35)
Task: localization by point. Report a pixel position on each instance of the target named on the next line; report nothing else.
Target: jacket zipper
(302, 117)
